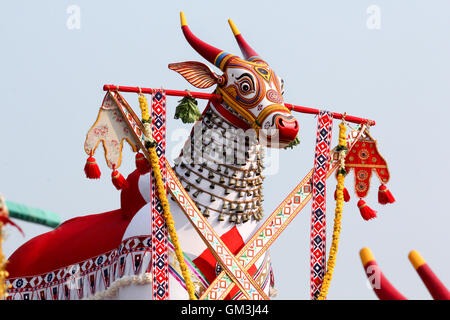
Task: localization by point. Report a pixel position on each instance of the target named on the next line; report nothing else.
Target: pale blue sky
(52, 78)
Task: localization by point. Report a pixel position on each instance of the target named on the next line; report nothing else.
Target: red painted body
(77, 239)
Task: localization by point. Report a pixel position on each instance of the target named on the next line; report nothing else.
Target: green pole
(35, 215)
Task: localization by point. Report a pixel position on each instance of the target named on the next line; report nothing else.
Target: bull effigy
(196, 229)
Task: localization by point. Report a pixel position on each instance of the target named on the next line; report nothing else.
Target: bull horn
(215, 56)
(382, 287)
(247, 51)
(436, 288)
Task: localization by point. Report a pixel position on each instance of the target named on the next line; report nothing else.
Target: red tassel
(118, 180)
(6, 220)
(346, 195)
(91, 169)
(366, 212)
(384, 195)
(142, 163)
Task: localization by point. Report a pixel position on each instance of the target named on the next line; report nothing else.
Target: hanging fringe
(118, 180)
(91, 169)
(384, 195)
(366, 212)
(142, 164)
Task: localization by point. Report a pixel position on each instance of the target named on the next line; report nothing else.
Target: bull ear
(196, 73)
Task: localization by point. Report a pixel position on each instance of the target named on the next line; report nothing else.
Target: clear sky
(383, 60)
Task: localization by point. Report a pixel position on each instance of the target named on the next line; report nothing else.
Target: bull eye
(245, 84)
(245, 87)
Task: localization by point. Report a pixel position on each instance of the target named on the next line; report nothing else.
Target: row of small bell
(234, 217)
(241, 193)
(232, 181)
(226, 171)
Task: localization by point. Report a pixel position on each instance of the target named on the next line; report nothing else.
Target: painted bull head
(248, 86)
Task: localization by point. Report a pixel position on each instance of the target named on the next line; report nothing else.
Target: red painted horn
(247, 51)
(210, 53)
(382, 287)
(436, 288)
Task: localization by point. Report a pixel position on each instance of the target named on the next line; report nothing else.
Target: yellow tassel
(337, 216)
(170, 223)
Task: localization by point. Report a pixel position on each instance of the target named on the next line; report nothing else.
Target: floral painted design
(111, 130)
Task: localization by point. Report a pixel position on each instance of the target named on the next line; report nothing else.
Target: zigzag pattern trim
(318, 208)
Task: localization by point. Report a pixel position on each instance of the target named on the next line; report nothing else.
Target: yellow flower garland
(337, 213)
(144, 108)
(170, 222)
(3, 273)
(163, 197)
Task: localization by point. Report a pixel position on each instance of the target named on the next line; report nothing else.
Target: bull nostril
(280, 122)
(296, 124)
